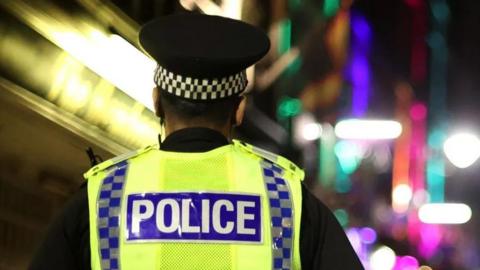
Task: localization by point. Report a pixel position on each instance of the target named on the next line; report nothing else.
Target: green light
(330, 7)
(349, 156)
(294, 66)
(294, 4)
(327, 161)
(436, 40)
(436, 139)
(289, 107)
(285, 37)
(440, 11)
(342, 216)
(436, 166)
(436, 180)
(343, 184)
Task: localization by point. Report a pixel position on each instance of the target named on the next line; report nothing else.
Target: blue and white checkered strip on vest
(281, 212)
(109, 205)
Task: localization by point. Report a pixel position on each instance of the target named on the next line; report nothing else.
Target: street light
(462, 149)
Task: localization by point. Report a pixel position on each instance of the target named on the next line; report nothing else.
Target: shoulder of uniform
(126, 156)
(283, 162)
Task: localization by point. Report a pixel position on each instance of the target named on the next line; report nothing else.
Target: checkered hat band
(199, 89)
(109, 203)
(281, 215)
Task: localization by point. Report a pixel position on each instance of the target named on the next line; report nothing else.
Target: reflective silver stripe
(265, 154)
(281, 213)
(109, 204)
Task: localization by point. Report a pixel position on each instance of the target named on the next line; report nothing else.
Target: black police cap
(202, 57)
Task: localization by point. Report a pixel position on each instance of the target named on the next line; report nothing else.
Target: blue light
(359, 67)
(361, 29)
(360, 80)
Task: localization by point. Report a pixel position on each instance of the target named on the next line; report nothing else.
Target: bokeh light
(462, 149)
(368, 235)
(406, 263)
(383, 258)
(445, 213)
(363, 129)
(401, 196)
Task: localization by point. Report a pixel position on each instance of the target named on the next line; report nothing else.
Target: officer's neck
(171, 127)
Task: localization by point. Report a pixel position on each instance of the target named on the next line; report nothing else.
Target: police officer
(199, 201)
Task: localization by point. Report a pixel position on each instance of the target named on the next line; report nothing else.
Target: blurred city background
(378, 101)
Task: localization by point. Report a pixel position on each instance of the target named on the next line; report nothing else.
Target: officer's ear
(240, 112)
(156, 102)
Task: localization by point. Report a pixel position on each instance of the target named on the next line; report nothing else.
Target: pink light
(430, 236)
(413, 3)
(418, 112)
(406, 263)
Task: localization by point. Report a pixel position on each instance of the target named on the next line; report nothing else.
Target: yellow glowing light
(187, 4)
(114, 59)
(229, 8)
(232, 8)
(121, 116)
(207, 6)
(98, 102)
(77, 91)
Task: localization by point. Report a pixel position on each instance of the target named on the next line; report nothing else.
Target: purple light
(360, 72)
(368, 235)
(354, 237)
(361, 29)
(406, 263)
(355, 240)
(359, 67)
(360, 82)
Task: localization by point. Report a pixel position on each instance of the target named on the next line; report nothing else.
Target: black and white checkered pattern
(199, 89)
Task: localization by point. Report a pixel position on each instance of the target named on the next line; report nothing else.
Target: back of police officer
(199, 200)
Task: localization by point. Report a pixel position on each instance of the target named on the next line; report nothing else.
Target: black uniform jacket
(323, 243)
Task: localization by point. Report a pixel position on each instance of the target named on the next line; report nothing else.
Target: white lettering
(175, 222)
(186, 227)
(205, 216)
(193, 215)
(138, 216)
(217, 226)
(241, 217)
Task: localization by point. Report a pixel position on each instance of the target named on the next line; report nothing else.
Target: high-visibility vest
(234, 207)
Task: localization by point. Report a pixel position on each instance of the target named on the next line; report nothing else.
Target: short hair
(217, 112)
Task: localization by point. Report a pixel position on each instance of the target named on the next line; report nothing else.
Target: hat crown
(202, 57)
(203, 46)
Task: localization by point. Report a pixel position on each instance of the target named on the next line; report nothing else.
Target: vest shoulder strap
(109, 163)
(284, 163)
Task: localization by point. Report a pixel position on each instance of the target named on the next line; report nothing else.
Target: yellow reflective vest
(234, 207)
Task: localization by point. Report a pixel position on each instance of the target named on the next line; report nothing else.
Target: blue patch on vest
(190, 216)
